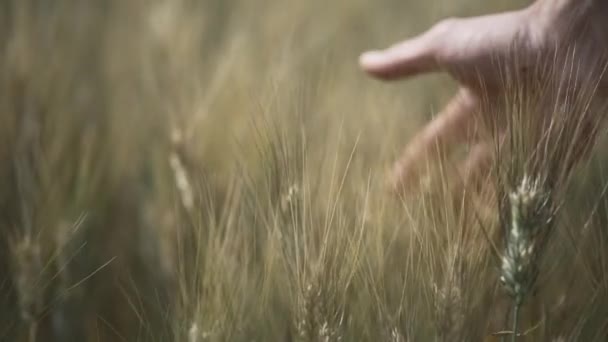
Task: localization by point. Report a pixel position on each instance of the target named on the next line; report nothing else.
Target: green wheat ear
(529, 219)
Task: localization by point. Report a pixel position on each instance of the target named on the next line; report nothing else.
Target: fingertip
(377, 64)
(406, 59)
(391, 182)
(399, 177)
(370, 60)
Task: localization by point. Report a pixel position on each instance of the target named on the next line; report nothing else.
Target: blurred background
(178, 170)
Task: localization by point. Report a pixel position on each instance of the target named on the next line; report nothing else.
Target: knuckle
(446, 25)
(438, 34)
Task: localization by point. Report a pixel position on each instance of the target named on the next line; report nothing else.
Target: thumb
(411, 57)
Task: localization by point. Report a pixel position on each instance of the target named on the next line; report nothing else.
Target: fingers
(454, 125)
(471, 181)
(411, 57)
(477, 164)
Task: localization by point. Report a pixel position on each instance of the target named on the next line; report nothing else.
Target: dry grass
(213, 171)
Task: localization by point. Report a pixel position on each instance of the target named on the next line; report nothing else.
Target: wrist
(565, 7)
(567, 18)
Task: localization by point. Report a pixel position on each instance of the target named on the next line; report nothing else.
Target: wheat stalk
(27, 270)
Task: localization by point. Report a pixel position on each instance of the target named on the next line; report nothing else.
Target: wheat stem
(33, 329)
(515, 320)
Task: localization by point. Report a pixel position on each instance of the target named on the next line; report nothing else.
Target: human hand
(469, 49)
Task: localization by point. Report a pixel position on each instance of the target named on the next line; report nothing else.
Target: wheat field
(214, 170)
